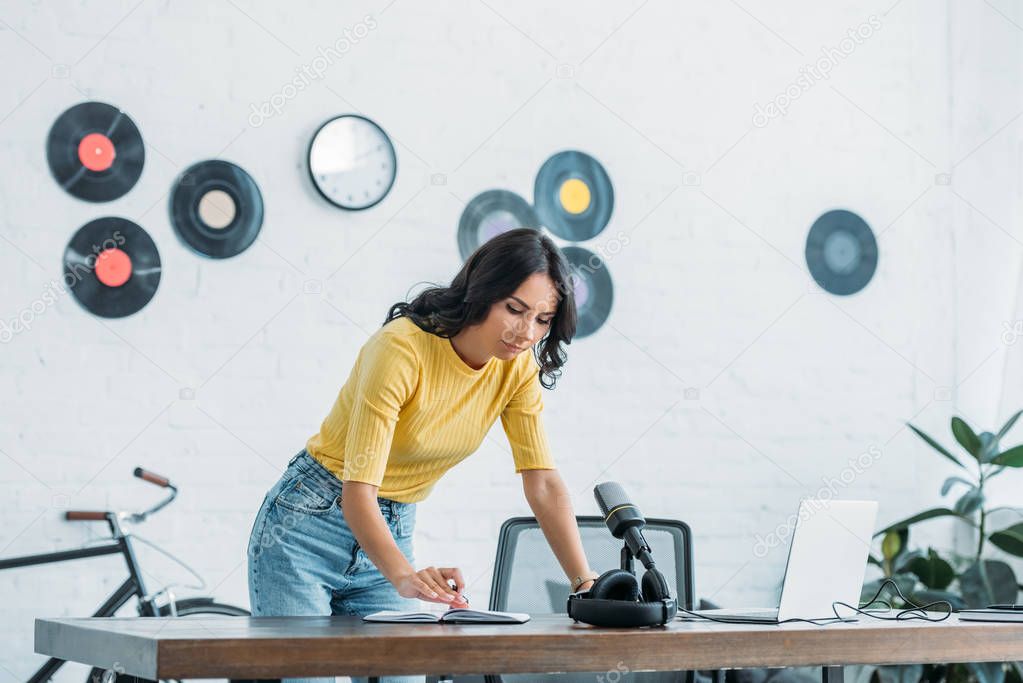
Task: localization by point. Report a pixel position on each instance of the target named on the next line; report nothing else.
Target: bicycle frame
(133, 586)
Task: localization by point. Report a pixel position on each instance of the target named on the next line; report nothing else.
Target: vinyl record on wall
(216, 208)
(95, 152)
(591, 285)
(489, 214)
(573, 196)
(352, 162)
(112, 267)
(841, 252)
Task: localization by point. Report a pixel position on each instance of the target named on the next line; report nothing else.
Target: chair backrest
(528, 577)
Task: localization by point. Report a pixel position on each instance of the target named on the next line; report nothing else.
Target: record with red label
(112, 267)
(489, 214)
(216, 208)
(95, 152)
(591, 287)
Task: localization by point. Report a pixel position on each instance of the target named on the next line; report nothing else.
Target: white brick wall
(711, 292)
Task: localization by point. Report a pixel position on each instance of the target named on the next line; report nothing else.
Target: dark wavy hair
(493, 272)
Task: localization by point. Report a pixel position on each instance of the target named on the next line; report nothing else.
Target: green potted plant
(970, 580)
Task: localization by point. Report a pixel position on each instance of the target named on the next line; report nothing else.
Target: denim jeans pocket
(403, 520)
(299, 495)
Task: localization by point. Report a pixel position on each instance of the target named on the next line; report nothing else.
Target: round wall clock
(352, 162)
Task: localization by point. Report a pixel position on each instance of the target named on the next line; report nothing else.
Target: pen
(454, 587)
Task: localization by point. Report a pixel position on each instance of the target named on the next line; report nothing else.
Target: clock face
(352, 162)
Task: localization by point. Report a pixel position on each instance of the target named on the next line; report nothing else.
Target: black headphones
(614, 600)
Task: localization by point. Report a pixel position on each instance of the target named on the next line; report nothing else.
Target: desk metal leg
(832, 674)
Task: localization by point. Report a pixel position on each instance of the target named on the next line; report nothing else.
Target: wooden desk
(273, 647)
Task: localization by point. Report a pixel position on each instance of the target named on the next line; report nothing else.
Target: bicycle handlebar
(152, 477)
(86, 515)
(116, 518)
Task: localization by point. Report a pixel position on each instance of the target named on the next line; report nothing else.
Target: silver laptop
(826, 564)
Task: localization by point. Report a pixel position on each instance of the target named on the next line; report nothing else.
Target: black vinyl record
(841, 252)
(112, 267)
(489, 214)
(592, 288)
(95, 151)
(216, 208)
(573, 196)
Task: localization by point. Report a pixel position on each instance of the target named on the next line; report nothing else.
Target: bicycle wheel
(189, 607)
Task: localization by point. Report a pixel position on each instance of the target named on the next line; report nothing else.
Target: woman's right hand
(431, 585)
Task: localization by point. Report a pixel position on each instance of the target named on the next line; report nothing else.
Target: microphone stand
(627, 560)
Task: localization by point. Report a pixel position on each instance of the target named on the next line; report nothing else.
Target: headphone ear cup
(655, 587)
(615, 584)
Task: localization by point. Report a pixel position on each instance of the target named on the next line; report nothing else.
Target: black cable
(915, 612)
(825, 621)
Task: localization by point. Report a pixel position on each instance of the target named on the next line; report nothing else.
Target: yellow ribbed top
(412, 409)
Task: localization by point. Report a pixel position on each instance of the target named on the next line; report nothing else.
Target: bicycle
(133, 586)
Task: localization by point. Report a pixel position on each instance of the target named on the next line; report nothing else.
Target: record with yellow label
(573, 196)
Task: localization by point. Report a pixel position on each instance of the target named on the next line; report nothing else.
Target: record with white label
(489, 214)
(112, 267)
(841, 252)
(592, 288)
(216, 208)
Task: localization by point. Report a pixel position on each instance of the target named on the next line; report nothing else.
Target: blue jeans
(305, 561)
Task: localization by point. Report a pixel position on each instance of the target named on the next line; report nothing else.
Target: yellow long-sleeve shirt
(412, 409)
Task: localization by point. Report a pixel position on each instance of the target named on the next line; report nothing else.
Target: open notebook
(462, 615)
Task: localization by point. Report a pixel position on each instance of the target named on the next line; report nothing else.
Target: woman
(334, 534)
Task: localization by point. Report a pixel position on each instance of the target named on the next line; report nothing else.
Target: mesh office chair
(528, 578)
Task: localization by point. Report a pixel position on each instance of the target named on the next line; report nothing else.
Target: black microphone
(623, 519)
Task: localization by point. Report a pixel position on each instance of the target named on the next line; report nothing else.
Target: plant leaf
(1008, 425)
(951, 481)
(966, 437)
(920, 517)
(970, 502)
(901, 673)
(1009, 539)
(997, 471)
(1010, 458)
(891, 545)
(988, 672)
(903, 560)
(925, 596)
(989, 582)
(933, 572)
(988, 446)
(936, 446)
(958, 673)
